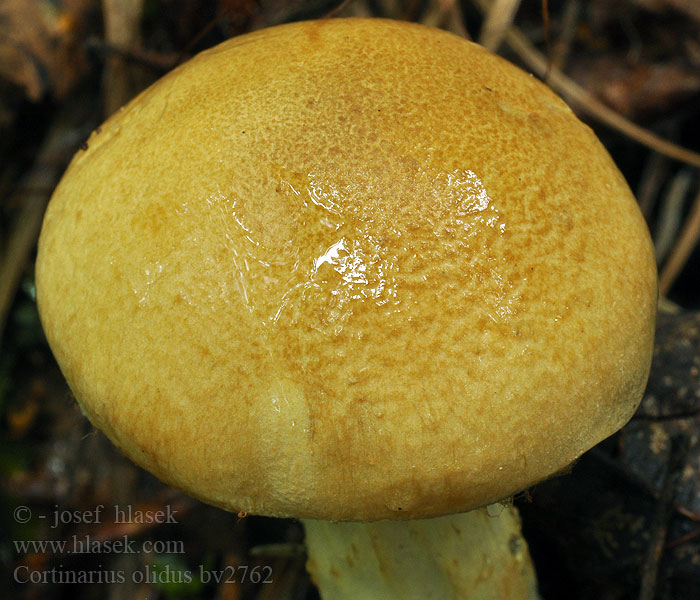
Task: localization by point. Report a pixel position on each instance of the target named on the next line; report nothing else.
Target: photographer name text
(119, 514)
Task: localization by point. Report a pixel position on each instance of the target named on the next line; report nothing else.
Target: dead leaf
(40, 49)
(639, 90)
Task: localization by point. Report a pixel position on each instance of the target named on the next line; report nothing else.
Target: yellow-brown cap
(348, 269)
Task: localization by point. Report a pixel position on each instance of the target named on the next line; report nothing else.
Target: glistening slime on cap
(349, 270)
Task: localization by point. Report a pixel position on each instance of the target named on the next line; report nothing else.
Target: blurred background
(623, 523)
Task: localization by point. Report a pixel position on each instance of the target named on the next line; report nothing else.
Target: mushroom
(358, 272)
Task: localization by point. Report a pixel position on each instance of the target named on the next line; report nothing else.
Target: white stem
(479, 555)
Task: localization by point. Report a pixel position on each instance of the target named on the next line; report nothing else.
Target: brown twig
(498, 20)
(686, 242)
(336, 9)
(569, 21)
(390, 8)
(156, 61)
(586, 103)
(670, 216)
(446, 14)
(688, 537)
(456, 23)
(688, 514)
(547, 36)
(358, 8)
(653, 175)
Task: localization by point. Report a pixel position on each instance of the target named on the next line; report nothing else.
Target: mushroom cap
(351, 270)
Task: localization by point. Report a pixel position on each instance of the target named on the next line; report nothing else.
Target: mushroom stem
(479, 555)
